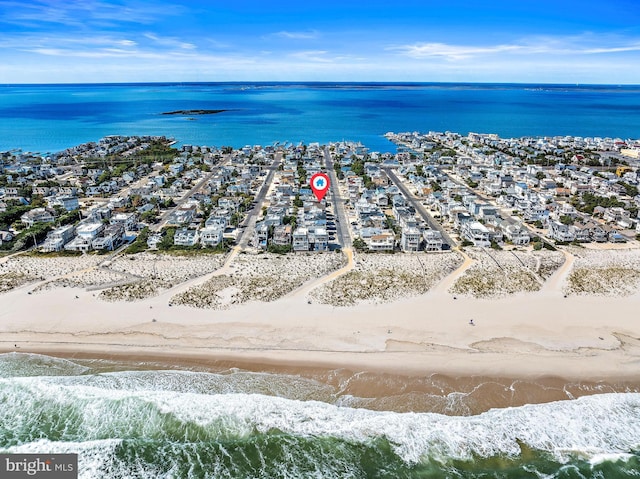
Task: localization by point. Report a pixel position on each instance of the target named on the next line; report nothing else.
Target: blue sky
(560, 41)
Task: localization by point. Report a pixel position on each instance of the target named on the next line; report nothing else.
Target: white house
(384, 241)
(432, 240)
(517, 234)
(301, 239)
(185, 237)
(127, 220)
(211, 235)
(476, 232)
(68, 202)
(561, 232)
(37, 215)
(411, 239)
(57, 238)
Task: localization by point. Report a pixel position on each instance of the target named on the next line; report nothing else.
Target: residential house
(212, 235)
(475, 232)
(582, 232)
(110, 238)
(153, 240)
(282, 235)
(300, 239)
(432, 240)
(185, 237)
(615, 214)
(616, 237)
(182, 216)
(43, 190)
(128, 221)
(57, 238)
(384, 241)
(36, 215)
(561, 232)
(86, 232)
(5, 236)
(517, 234)
(69, 203)
(411, 238)
(318, 239)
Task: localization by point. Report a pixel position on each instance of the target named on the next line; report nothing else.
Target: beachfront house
(129, 221)
(86, 232)
(154, 240)
(57, 238)
(318, 239)
(432, 240)
(561, 232)
(517, 234)
(411, 239)
(211, 236)
(300, 239)
(384, 241)
(185, 237)
(182, 216)
(110, 238)
(282, 235)
(261, 235)
(475, 232)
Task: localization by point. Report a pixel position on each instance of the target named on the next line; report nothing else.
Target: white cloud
(451, 52)
(576, 45)
(306, 35)
(80, 13)
(170, 42)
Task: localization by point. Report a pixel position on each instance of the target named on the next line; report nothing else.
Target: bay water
(50, 118)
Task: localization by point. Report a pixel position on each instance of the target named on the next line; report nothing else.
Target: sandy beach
(533, 334)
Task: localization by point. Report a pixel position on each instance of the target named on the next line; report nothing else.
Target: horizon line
(323, 82)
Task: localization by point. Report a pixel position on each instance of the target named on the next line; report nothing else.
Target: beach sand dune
(263, 277)
(379, 278)
(500, 273)
(522, 334)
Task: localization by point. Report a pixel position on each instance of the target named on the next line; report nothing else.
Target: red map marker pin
(319, 185)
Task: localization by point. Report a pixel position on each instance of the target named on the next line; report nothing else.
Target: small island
(193, 112)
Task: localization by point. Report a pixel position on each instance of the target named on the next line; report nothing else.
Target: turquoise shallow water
(49, 118)
(179, 424)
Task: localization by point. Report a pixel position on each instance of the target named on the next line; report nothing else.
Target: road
(163, 219)
(433, 224)
(342, 221)
(249, 223)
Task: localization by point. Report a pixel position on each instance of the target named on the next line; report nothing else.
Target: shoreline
(537, 337)
(374, 390)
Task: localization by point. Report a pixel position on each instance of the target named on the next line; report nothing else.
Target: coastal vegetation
(264, 277)
(498, 273)
(383, 278)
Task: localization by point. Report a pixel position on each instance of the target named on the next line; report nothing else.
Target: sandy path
(447, 282)
(303, 290)
(554, 284)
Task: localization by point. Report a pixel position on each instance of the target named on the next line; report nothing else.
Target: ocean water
(49, 118)
(188, 424)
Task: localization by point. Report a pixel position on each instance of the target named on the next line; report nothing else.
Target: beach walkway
(448, 281)
(555, 282)
(306, 288)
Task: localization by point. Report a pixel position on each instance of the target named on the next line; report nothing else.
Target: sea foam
(586, 427)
